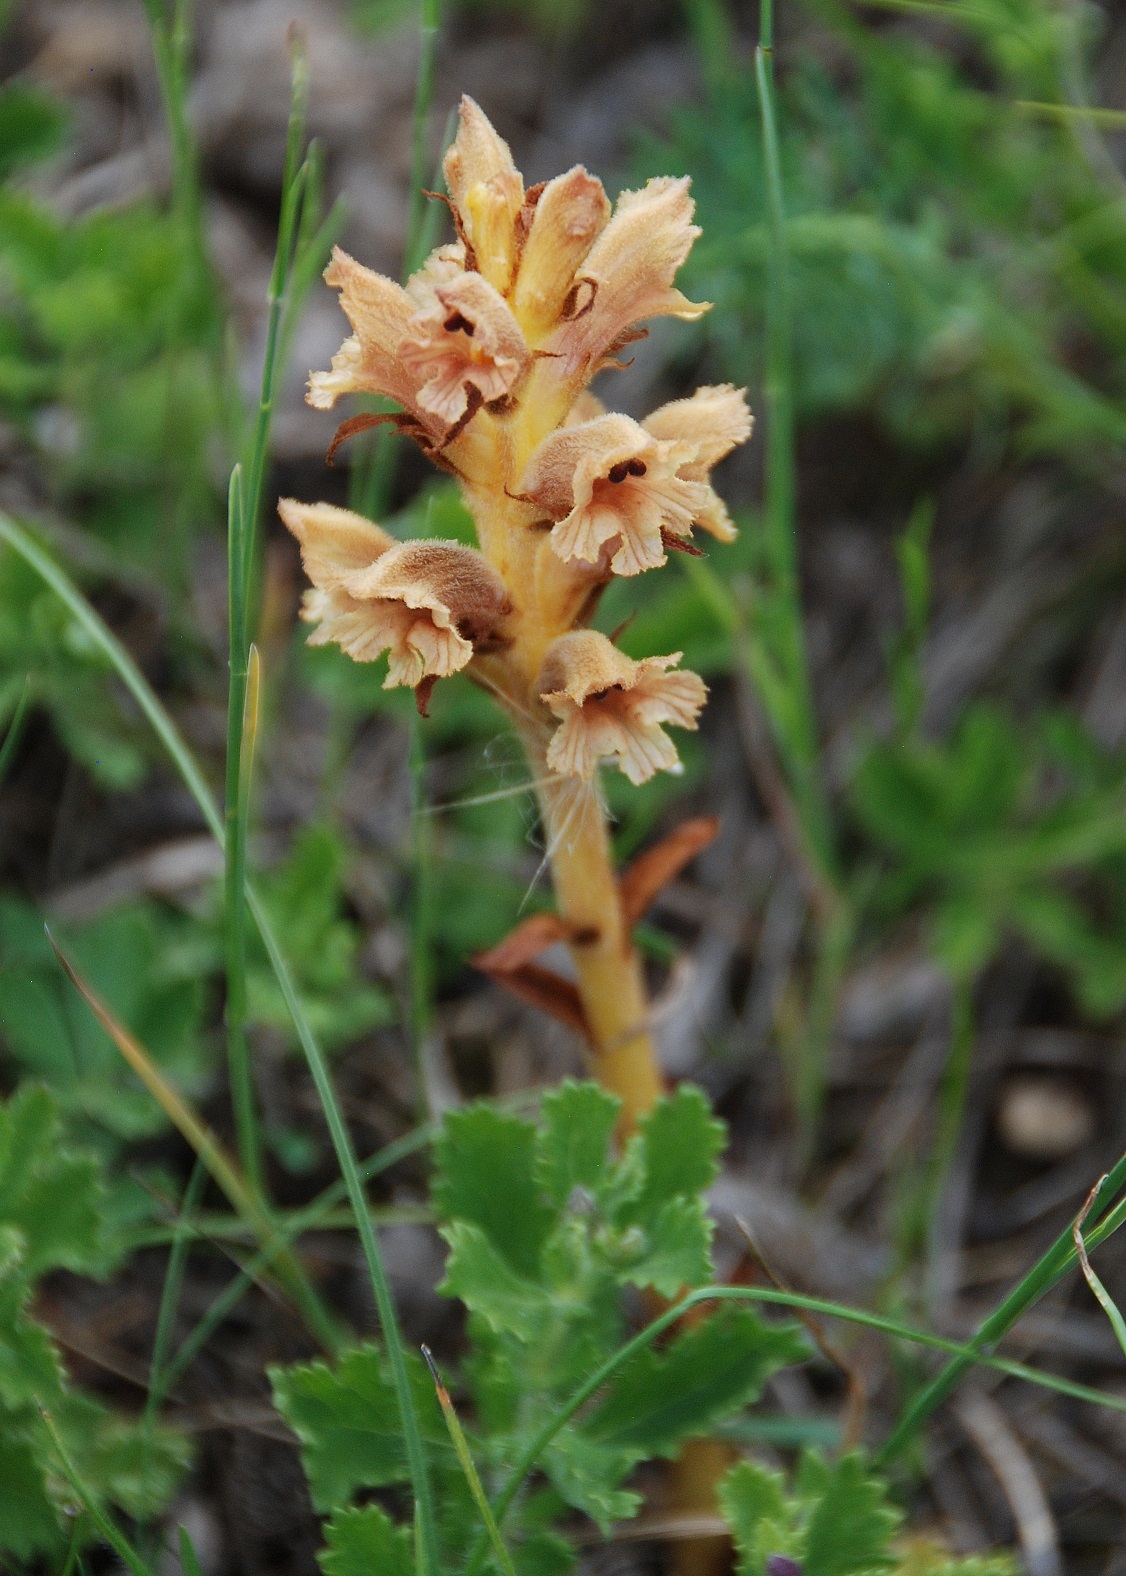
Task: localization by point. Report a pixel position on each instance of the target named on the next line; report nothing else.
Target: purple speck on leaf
(782, 1565)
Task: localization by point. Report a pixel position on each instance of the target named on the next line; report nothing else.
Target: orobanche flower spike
(488, 351)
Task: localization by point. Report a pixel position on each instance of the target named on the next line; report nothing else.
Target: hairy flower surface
(715, 420)
(611, 707)
(488, 350)
(467, 344)
(428, 604)
(616, 492)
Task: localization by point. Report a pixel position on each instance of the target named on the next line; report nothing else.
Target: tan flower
(380, 312)
(487, 194)
(612, 708)
(715, 420)
(628, 275)
(568, 215)
(335, 543)
(467, 347)
(427, 603)
(615, 492)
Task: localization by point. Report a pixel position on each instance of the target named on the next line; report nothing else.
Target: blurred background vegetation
(901, 971)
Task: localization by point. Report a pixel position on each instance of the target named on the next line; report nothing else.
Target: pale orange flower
(467, 347)
(611, 708)
(486, 193)
(428, 604)
(715, 420)
(618, 495)
(569, 213)
(628, 275)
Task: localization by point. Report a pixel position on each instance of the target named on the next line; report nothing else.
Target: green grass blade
(465, 1461)
(170, 1293)
(1105, 1300)
(15, 728)
(112, 1534)
(1044, 1274)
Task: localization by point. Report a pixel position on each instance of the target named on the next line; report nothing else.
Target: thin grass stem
(170, 1292)
(465, 1461)
(15, 729)
(1044, 1274)
(112, 1534)
(1102, 1296)
(239, 1070)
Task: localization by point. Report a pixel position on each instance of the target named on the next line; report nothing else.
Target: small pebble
(1044, 1118)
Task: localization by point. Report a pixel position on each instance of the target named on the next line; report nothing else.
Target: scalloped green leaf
(677, 1249)
(347, 1420)
(708, 1372)
(680, 1142)
(366, 1542)
(852, 1521)
(51, 1196)
(488, 1285)
(486, 1175)
(573, 1145)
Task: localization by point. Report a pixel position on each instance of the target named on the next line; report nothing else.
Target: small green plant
(53, 1216)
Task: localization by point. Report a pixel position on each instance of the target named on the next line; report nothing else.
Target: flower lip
(335, 543)
(466, 349)
(428, 604)
(616, 493)
(610, 707)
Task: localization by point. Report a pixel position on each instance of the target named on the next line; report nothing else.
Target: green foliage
(547, 1231)
(110, 375)
(347, 1420)
(836, 1520)
(364, 1541)
(1006, 829)
(52, 1217)
(43, 647)
(31, 127)
(305, 895)
(146, 962)
(945, 245)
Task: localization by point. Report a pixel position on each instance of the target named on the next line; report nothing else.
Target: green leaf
(707, 1373)
(366, 1542)
(677, 1249)
(754, 1502)
(29, 1364)
(852, 1522)
(28, 1522)
(545, 1554)
(52, 1197)
(489, 1286)
(486, 1175)
(680, 1143)
(586, 1473)
(347, 1420)
(572, 1149)
(132, 1465)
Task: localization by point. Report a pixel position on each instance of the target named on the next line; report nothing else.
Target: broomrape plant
(489, 350)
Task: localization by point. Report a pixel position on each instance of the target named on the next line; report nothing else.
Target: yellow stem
(610, 978)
